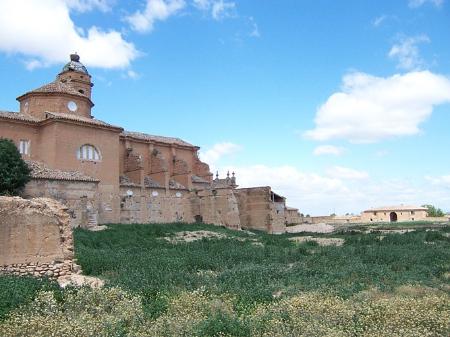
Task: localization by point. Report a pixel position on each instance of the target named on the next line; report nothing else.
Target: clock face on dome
(72, 106)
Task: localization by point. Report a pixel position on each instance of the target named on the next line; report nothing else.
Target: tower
(76, 75)
(70, 93)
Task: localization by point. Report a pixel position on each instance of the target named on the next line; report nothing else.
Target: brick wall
(35, 237)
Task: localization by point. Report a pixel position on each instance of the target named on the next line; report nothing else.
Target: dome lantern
(75, 65)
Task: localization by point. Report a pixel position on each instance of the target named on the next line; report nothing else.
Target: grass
(138, 259)
(245, 284)
(16, 291)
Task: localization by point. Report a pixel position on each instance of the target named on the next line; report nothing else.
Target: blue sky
(338, 105)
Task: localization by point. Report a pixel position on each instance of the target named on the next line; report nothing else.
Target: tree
(14, 172)
(434, 211)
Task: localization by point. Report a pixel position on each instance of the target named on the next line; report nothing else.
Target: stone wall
(35, 237)
(293, 217)
(258, 211)
(79, 197)
(319, 219)
(156, 205)
(439, 219)
(219, 207)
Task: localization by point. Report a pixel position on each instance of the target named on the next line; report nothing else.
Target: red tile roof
(18, 116)
(41, 171)
(160, 139)
(397, 208)
(72, 117)
(58, 87)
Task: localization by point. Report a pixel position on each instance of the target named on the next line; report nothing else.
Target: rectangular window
(24, 147)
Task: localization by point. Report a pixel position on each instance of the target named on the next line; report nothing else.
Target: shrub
(434, 212)
(85, 312)
(14, 172)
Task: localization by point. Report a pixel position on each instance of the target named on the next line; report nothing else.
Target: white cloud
(44, 33)
(443, 181)
(213, 155)
(370, 108)
(381, 153)
(379, 20)
(310, 192)
(219, 9)
(328, 150)
(255, 29)
(89, 5)
(346, 173)
(202, 4)
(288, 180)
(320, 194)
(132, 75)
(222, 9)
(418, 3)
(406, 52)
(155, 10)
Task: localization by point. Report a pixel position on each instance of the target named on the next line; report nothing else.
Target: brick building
(105, 174)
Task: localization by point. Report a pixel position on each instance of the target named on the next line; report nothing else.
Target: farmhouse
(105, 174)
(394, 214)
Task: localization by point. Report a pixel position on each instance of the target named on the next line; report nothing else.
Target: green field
(243, 284)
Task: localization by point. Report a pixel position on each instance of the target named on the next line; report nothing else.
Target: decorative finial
(75, 57)
(233, 173)
(217, 174)
(228, 174)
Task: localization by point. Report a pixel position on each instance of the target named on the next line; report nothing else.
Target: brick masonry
(35, 237)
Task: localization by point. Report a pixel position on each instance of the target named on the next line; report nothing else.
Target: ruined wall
(319, 219)
(293, 216)
(278, 217)
(439, 219)
(219, 207)
(155, 205)
(258, 211)
(332, 220)
(35, 237)
(79, 197)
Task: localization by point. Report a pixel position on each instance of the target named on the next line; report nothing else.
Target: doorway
(393, 217)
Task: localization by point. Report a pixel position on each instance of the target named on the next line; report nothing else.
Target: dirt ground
(320, 241)
(194, 236)
(316, 228)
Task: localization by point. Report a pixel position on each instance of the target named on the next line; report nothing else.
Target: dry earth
(389, 231)
(97, 228)
(316, 228)
(78, 280)
(191, 236)
(320, 241)
(194, 236)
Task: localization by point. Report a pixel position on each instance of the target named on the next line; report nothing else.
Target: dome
(75, 65)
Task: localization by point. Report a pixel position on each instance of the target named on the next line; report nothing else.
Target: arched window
(88, 152)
